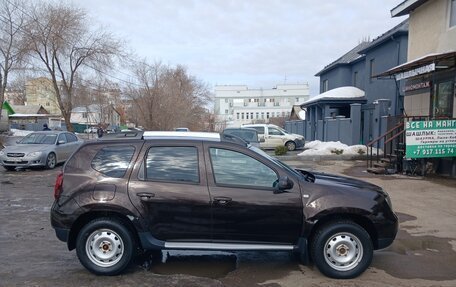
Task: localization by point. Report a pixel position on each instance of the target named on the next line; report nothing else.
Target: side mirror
(284, 184)
(61, 142)
(262, 140)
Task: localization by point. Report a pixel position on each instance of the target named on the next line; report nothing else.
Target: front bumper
(25, 161)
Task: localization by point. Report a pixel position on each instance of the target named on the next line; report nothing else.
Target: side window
(71, 138)
(275, 132)
(235, 168)
(259, 129)
(62, 138)
(175, 164)
(113, 161)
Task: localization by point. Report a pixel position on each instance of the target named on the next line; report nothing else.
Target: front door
(171, 192)
(244, 204)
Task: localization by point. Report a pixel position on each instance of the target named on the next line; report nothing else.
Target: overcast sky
(259, 43)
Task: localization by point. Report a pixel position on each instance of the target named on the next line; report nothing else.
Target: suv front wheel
(342, 249)
(105, 246)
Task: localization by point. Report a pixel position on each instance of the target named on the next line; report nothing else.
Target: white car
(271, 136)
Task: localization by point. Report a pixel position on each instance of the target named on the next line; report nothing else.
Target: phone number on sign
(434, 151)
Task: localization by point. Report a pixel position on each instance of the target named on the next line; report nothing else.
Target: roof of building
(441, 60)
(406, 7)
(29, 109)
(400, 29)
(352, 94)
(347, 58)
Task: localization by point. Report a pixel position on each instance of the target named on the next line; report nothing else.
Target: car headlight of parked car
(34, 154)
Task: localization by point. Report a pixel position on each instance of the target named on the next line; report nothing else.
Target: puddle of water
(424, 257)
(201, 264)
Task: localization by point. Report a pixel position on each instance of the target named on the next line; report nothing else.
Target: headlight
(34, 154)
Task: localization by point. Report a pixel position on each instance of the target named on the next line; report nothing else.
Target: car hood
(25, 148)
(340, 181)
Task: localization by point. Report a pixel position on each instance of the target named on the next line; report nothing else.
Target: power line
(7, 21)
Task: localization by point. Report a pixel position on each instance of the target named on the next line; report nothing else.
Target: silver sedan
(45, 149)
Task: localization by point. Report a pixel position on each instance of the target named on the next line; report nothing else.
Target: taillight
(58, 185)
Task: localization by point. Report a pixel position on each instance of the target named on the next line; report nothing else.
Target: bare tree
(12, 21)
(59, 35)
(166, 98)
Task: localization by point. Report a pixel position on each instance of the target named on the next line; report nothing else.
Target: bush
(280, 150)
(337, 151)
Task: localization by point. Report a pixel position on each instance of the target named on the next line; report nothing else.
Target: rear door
(245, 207)
(169, 188)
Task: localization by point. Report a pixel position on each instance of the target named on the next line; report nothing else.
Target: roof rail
(130, 135)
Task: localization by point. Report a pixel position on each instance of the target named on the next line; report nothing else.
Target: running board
(225, 246)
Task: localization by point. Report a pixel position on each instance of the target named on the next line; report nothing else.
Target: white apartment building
(236, 105)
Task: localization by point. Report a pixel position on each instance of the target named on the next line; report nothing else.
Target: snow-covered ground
(19, 133)
(332, 148)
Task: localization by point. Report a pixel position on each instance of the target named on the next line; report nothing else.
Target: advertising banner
(426, 139)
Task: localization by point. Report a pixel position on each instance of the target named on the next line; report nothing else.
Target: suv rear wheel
(342, 249)
(105, 246)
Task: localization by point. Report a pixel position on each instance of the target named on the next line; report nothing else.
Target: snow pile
(20, 133)
(332, 148)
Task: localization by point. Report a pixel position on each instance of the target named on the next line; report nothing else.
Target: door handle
(146, 196)
(222, 200)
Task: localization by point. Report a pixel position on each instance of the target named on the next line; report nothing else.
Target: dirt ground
(424, 253)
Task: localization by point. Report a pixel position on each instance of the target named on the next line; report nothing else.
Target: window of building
(226, 100)
(371, 69)
(297, 100)
(246, 116)
(251, 116)
(267, 115)
(325, 85)
(242, 116)
(355, 79)
(442, 99)
(113, 161)
(84, 115)
(257, 115)
(283, 114)
(262, 115)
(175, 164)
(234, 168)
(237, 116)
(226, 112)
(453, 13)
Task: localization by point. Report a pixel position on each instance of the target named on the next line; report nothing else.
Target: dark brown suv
(131, 192)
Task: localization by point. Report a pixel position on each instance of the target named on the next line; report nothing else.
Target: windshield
(39, 139)
(278, 162)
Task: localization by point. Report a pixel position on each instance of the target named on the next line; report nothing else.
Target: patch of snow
(317, 147)
(20, 133)
(338, 93)
(302, 115)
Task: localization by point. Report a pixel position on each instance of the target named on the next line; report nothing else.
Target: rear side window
(71, 138)
(113, 161)
(175, 164)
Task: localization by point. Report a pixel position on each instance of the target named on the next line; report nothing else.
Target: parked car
(182, 129)
(247, 134)
(274, 136)
(45, 149)
(172, 190)
(91, 130)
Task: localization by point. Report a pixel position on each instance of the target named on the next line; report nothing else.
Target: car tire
(105, 246)
(51, 161)
(290, 145)
(10, 168)
(342, 249)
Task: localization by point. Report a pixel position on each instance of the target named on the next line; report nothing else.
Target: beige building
(40, 91)
(430, 73)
